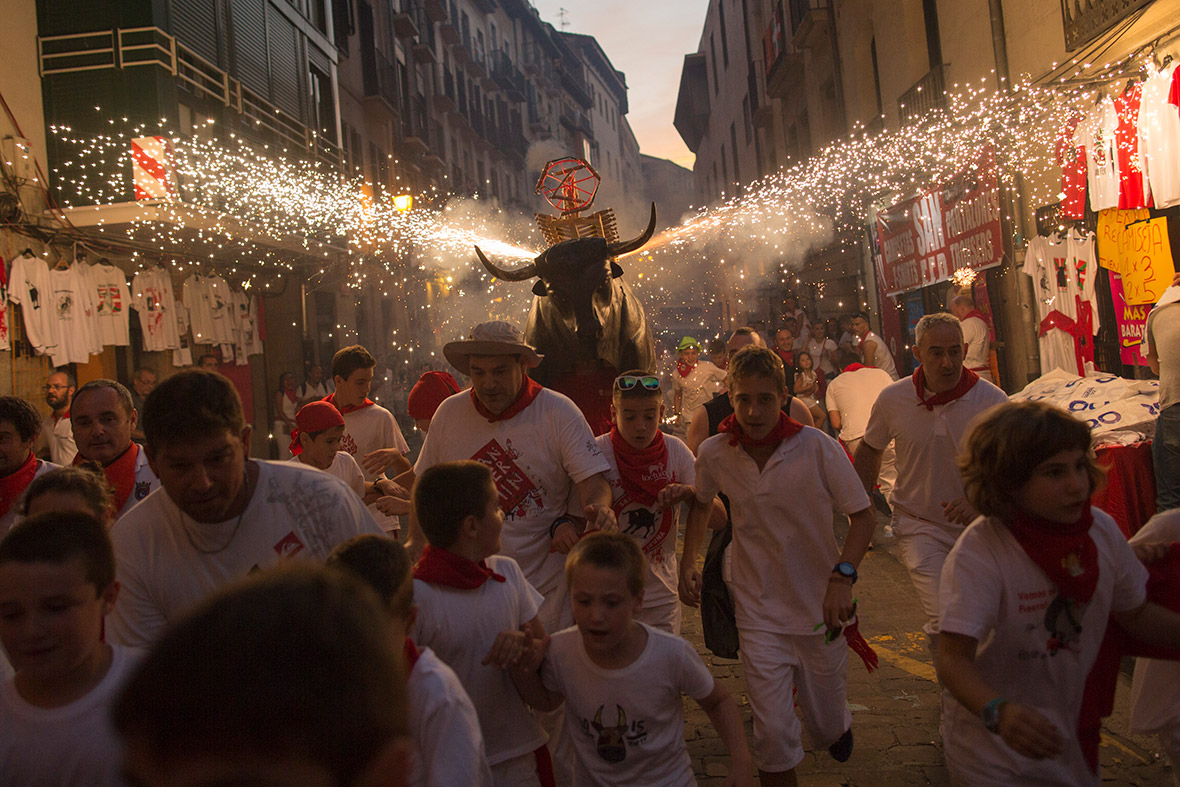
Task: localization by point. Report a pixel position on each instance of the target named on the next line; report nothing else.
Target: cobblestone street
(895, 711)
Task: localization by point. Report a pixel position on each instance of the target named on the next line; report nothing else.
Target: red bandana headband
(314, 417)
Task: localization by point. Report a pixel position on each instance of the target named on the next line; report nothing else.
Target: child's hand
(1149, 553)
(507, 650)
(674, 494)
(959, 512)
(689, 587)
(1028, 732)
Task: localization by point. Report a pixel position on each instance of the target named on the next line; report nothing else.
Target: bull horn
(520, 274)
(626, 247)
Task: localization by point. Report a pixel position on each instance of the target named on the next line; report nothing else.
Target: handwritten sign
(1132, 322)
(1137, 249)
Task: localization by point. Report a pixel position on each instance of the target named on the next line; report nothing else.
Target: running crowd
(177, 613)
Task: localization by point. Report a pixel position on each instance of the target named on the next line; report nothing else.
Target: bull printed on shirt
(517, 490)
(611, 741)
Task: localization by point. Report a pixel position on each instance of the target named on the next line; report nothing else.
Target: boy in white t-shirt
(57, 583)
(479, 613)
(650, 475)
(783, 481)
(446, 742)
(621, 680)
(315, 442)
(1026, 594)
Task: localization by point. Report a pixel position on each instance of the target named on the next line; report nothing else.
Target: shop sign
(1137, 248)
(926, 239)
(1132, 323)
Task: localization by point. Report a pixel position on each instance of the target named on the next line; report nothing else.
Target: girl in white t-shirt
(807, 387)
(621, 681)
(1026, 593)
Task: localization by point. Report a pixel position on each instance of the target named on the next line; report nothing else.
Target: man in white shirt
(56, 432)
(873, 350)
(103, 419)
(975, 334)
(218, 515)
(315, 387)
(850, 399)
(142, 383)
(927, 415)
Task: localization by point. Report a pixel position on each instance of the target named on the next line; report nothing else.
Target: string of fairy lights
(231, 189)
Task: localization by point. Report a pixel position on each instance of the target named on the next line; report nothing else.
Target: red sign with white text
(926, 239)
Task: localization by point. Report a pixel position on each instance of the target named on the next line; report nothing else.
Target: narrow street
(895, 710)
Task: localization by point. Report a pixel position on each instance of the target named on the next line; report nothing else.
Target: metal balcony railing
(1085, 20)
(927, 93)
(380, 79)
(508, 76)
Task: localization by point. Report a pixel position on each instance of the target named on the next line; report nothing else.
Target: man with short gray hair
(103, 418)
(926, 415)
(975, 335)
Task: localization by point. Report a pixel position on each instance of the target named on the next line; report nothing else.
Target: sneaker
(841, 750)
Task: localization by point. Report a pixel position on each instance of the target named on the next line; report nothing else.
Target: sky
(646, 40)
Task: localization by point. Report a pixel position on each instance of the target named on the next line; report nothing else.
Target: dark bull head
(579, 295)
(611, 744)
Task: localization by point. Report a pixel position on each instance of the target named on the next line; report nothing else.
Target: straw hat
(490, 338)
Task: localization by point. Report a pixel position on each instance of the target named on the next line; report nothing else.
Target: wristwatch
(991, 714)
(846, 570)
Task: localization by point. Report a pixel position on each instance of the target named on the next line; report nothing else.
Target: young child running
(446, 743)
(1026, 594)
(622, 680)
(57, 583)
(479, 613)
(783, 481)
(650, 475)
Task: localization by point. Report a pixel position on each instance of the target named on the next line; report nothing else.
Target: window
(876, 75)
(323, 107)
(746, 118)
(724, 168)
(733, 147)
(724, 37)
(713, 60)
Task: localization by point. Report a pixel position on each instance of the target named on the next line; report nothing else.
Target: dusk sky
(647, 41)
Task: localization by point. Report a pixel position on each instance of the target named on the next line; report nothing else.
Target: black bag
(717, 617)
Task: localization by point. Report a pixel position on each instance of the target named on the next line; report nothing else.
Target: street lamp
(403, 203)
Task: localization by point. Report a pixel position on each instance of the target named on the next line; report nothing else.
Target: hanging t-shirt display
(208, 302)
(152, 299)
(1097, 136)
(246, 340)
(5, 341)
(183, 354)
(1132, 193)
(1159, 139)
(28, 285)
(1071, 157)
(1062, 270)
(73, 310)
(112, 300)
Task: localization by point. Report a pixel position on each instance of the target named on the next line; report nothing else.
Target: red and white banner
(151, 168)
(924, 240)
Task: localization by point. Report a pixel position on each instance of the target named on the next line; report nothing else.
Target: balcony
(761, 110)
(810, 23)
(424, 46)
(785, 75)
(573, 78)
(574, 120)
(508, 77)
(1085, 20)
(444, 101)
(477, 65)
(403, 26)
(435, 9)
(927, 93)
(449, 32)
(486, 6)
(380, 79)
(416, 126)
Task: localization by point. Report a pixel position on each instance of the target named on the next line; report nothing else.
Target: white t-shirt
(784, 546)
(460, 627)
(927, 444)
(654, 528)
(366, 430)
(1155, 690)
(112, 300)
(73, 309)
(852, 394)
(59, 435)
(1097, 135)
(1031, 648)
(152, 298)
(309, 392)
(1159, 139)
(166, 562)
(183, 354)
(823, 354)
(245, 326)
(28, 285)
(976, 336)
(208, 301)
(10, 519)
(627, 725)
(535, 457)
(343, 467)
(446, 742)
(71, 744)
(698, 387)
(883, 359)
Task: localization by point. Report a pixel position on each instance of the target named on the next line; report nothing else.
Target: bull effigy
(585, 319)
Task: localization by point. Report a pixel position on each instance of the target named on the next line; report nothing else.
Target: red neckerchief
(56, 418)
(13, 484)
(443, 567)
(976, 313)
(412, 654)
(290, 395)
(967, 381)
(685, 368)
(120, 474)
(852, 367)
(524, 397)
(348, 408)
(634, 464)
(786, 428)
(1066, 553)
(856, 641)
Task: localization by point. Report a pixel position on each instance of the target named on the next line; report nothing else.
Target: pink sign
(1132, 322)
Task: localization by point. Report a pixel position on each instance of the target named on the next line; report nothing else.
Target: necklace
(233, 534)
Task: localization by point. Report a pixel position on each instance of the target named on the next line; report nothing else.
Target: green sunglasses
(626, 382)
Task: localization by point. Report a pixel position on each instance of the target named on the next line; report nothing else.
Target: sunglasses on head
(626, 382)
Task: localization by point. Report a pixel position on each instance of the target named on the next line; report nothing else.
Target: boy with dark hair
(57, 583)
(371, 434)
(478, 612)
(219, 515)
(446, 742)
(788, 571)
(288, 677)
(20, 425)
(315, 442)
(622, 681)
